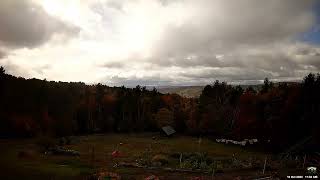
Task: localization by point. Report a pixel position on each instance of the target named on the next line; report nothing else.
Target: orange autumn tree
(164, 117)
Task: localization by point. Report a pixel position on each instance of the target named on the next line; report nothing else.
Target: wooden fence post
(264, 166)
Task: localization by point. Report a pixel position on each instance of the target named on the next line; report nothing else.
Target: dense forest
(280, 113)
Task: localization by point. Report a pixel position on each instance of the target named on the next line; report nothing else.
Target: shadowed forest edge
(279, 115)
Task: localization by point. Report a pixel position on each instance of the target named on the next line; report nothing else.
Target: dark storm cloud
(310, 60)
(276, 64)
(25, 24)
(228, 73)
(2, 54)
(307, 50)
(247, 23)
(244, 22)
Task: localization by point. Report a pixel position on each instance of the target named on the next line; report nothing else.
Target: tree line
(277, 113)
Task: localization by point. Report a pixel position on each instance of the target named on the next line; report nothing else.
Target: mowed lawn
(95, 155)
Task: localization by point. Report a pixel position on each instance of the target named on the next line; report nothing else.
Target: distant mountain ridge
(186, 91)
(195, 91)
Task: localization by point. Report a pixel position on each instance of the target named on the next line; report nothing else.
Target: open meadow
(139, 156)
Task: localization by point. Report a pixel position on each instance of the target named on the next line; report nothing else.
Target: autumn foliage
(278, 113)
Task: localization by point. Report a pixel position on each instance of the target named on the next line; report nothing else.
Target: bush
(46, 142)
(196, 161)
(163, 159)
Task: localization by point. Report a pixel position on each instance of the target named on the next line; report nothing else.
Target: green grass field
(96, 152)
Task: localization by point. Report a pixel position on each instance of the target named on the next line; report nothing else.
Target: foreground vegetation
(95, 155)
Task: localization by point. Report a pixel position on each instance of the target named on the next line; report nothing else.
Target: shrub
(163, 159)
(46, 142)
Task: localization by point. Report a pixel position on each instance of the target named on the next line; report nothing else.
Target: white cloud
(172, 42)
(25, 24)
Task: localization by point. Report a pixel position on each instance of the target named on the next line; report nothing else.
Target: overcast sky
(160, 42)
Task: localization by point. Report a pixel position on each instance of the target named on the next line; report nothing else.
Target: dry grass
(133, 147)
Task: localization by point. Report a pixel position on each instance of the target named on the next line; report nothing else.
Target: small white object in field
(235, 142)
(243, 142)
